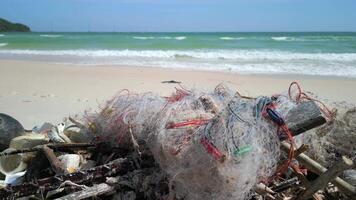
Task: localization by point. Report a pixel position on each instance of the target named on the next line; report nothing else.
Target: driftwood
(315, 167)
(149, 183)
(280, 187)
(171, 81)
(327, 177)
(56, 164)
(95, 190)
(93, 175)
(57, 147)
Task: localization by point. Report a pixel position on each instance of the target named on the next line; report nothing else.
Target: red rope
(284, 167)
(177, 96)
(194, 122)
(210, 148)
(301, 95)
(298, 98)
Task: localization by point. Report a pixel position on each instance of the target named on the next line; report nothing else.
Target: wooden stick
(301, 149)
(96, 190)
(326, 177)
(262, 189)
(65, 146)
(280, 187)
(56, 164)
(312, 165)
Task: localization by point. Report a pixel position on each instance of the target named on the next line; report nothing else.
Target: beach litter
(189, 145)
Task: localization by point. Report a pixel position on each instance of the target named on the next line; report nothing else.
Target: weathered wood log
(57, 147)
(146, 183)
(315, 167)
(326, 177)
(56, 164)
(95, 190)
(303, 117)
(91, 176)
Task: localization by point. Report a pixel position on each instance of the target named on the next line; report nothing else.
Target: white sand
(36, 92)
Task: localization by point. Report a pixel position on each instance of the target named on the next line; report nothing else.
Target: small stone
(9, 129)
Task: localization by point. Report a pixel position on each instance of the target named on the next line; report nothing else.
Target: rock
(9, 129)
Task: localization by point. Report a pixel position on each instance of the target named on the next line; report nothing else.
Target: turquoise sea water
(308, 53)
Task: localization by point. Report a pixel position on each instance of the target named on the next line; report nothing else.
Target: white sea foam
(3, 44)
(143, 38)
(180, 38)
(159, 38)
(281, 38)
(51, 36)
(264, 55)
(231, 38)
(2, 35)
(242, 61)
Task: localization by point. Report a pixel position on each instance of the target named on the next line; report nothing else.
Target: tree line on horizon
(7, 26)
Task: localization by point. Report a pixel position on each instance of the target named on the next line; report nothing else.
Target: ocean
(309, 53)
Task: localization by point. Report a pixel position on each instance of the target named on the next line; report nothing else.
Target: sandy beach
(36, 92)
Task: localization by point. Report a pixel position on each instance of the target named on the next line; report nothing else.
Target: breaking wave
(241, 61)
(231, 38)
(201, 54)
(180, 38)
(51, 36)
(143, 38)
(2, 35)
(159, 38)
(281, 38)
(3, 44)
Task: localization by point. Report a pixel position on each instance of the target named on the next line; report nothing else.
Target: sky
(182, 15)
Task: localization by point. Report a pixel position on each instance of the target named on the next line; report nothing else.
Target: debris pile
(190, 145)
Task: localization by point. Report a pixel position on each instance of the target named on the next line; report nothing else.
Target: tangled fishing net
(334, 139)
(215, 145)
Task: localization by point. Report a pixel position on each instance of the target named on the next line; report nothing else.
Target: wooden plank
(312, 165)
(93, 191)
(326, 177)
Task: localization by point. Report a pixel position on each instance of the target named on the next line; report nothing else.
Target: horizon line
(194, 31)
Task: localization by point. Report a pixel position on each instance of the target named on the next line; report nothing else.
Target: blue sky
(182, 15)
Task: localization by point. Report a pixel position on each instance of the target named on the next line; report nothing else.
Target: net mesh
(213, 145)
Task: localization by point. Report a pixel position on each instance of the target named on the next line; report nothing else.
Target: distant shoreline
(34, 31)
